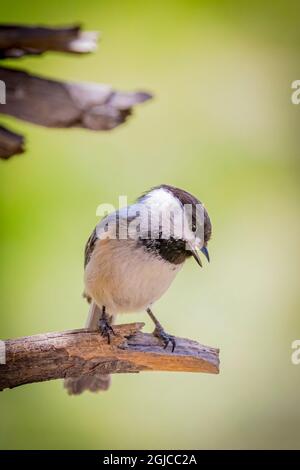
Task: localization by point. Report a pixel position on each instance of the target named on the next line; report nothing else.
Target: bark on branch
(17, 40)
(74, 353)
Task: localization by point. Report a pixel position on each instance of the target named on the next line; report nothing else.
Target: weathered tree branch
(74, 353)
(64, 104)
(10, 143)
(52, 103)
(17, 40)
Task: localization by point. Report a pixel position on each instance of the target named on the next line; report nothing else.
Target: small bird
(132, 257)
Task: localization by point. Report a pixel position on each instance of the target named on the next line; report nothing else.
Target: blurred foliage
(221, 126)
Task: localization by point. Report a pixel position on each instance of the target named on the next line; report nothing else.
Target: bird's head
(175, 224)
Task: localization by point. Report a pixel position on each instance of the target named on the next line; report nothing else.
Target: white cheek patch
(172, 219)
(165, 215)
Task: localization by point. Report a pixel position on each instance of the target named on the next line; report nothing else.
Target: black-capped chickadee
(132, 257)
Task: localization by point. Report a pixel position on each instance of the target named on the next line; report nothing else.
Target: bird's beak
(205, 252)
(195, 254)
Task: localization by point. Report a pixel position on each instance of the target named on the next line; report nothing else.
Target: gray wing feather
(89, 247)
(124, 215)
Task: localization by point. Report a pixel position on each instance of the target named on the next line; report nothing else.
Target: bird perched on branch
(132, 257)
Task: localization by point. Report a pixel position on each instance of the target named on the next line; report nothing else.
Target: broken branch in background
(17, 40)
(10, 143)
(53, 103)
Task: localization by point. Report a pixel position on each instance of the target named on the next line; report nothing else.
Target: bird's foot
(105, 328)
(165, 337)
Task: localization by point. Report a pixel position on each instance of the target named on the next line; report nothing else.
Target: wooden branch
(17, 40)
(52, 103)
(10, 143)
(77, 352)
(64, 104)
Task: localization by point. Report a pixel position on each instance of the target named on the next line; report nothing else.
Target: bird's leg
(160, 332)
(105, 325)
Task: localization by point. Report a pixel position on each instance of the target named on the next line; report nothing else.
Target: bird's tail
(95, 382)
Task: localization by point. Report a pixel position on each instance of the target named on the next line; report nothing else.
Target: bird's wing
(89, 247)
(107, 226)
(98, 231)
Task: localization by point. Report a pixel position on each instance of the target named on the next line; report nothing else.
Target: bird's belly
(125, 278)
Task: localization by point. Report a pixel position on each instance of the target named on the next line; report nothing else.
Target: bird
(132, 257)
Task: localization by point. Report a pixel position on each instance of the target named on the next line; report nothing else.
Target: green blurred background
(221, 126)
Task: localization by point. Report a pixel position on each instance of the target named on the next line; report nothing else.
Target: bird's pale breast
(125, 278)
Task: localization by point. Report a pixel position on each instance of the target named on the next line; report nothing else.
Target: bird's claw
(106, 329)
(165, 337)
